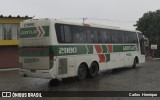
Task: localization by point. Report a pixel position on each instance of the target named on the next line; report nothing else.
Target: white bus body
(54, 49)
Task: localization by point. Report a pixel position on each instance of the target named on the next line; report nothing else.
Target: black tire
(93, 71)
(53, 82)
(134, 63)
(82, 72)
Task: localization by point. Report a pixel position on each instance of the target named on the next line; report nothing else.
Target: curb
(9, 69)
(155, 58)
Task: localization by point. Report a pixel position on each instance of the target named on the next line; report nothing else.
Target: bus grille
(62, 66)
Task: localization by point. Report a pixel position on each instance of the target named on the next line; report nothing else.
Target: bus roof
(62, 21)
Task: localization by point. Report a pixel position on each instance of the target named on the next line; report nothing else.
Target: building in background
(9, 33)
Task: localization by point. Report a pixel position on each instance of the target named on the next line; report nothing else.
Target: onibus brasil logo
(21, 94)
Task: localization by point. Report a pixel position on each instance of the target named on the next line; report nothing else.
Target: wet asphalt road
(146, 77)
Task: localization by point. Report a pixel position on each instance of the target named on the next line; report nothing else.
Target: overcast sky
(121, 13)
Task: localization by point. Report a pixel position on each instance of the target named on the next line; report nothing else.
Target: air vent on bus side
(62, 66)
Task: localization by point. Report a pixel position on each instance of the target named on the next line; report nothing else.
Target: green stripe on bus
(123, 48)
(72, 50)
(62, 50)
(107, 57)
(39, 31)
(33, 51)
(104, 47)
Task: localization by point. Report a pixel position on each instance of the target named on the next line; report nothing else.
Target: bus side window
(130, 38)
(63, 33)
(126, 38)
(119, 37)
(113, 36)
(134, 35)
(108, 36)
(123, 37)
(60, 33)
(67, 33)
(92, 36)
(89, 39)
(78, 34)
(95, 33)
(102, 36)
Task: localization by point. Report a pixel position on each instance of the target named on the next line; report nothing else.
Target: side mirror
(146, 42)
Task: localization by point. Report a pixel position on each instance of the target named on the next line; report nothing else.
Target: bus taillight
(51, 57)
(51, 54)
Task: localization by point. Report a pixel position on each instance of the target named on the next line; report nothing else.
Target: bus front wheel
(82, 72)
(134, 63)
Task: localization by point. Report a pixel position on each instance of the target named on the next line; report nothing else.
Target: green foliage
(149, 25)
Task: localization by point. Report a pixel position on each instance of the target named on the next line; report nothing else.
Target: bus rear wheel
(53, 82)
(93, 72)
(82, 72)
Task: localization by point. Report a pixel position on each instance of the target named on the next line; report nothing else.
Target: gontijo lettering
(27, 32)
(126, 48)
(38, 31)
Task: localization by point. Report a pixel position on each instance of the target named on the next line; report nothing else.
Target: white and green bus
(57, 49)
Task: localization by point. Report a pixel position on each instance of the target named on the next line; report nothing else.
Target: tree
(149, 25)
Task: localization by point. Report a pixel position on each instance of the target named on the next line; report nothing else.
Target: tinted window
(119, 37)
(88, 34)
(59, 32)
(104, 36)
(113, 36)
(126, 37)
(67, 34)
(80, 34)
(94, 35)
(134, 38)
